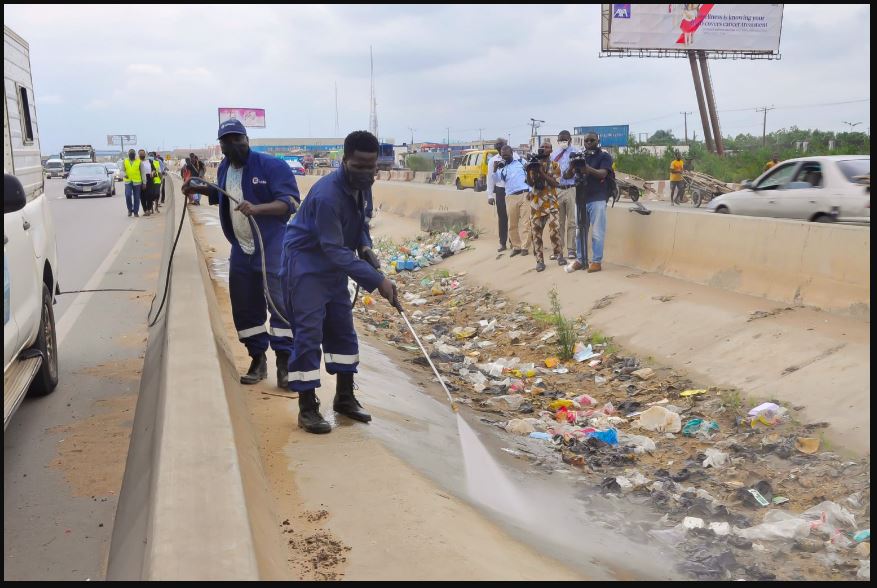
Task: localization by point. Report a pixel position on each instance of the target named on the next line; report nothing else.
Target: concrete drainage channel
(193, 504)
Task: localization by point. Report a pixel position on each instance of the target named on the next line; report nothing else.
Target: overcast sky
(160, 72)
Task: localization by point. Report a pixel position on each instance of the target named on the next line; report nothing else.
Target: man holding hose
(319, 254)
(266, 192)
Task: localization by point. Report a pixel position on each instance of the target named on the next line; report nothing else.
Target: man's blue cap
(230, 126)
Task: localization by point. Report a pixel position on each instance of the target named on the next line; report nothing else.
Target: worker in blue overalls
(319, 254)
(268, 194)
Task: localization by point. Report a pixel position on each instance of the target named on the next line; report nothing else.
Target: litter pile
(746, 491)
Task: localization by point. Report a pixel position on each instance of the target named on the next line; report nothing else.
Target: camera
(498, 165)
(534, 161)
(578, 158)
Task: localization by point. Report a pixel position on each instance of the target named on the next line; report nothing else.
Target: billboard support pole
(698, 90)
(711, 103)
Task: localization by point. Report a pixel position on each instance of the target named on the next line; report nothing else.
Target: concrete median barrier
(813, 264)
(193, 504)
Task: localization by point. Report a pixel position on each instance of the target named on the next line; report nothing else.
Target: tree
(662, 137)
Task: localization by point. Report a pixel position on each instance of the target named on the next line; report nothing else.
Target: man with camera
(496, 192)
(566, 194)
(514, 175)
(542, 174)
(591, 170)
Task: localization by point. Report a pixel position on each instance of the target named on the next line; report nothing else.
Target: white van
(54, 168)
(30, 255)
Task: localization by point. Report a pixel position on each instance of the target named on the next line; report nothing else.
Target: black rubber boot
(282, 369)
(258, 370)
(309, 417)
(345, 402)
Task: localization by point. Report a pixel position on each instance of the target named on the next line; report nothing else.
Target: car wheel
(69, 196)
(823, 218)
(459, 184)
(633, 193)
(723, 210)
(46, 378)
(696, 198)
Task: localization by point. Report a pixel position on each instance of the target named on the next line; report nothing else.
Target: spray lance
(369, 256)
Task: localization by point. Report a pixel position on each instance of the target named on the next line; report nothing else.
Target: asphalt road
(64, 454)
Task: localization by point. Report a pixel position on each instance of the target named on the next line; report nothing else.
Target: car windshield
(87, 170)
(54, 164)
(111, 166)
(855, 167)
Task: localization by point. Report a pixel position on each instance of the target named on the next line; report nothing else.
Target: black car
(89, 179)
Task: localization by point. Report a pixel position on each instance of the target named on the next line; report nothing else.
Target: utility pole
(852, 125)
(534, 126)
(412, 135)
(685, 114)
(373, 119)
(449, 146)
(481, 129)
(765, 110)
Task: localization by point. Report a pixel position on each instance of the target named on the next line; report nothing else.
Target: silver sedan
(819, 189)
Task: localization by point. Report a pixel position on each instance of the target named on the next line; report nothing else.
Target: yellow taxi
(472, 172)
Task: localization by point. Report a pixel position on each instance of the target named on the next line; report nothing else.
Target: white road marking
(83, 298)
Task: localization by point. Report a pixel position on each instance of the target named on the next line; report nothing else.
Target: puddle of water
(542, 509)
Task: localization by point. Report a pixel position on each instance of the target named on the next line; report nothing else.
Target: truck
(73, 154)
(30, 255)
(386, 157)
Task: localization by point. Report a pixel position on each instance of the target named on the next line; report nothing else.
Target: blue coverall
(264, 180)
(318, 256)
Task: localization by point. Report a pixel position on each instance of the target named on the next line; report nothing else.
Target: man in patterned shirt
(542, 179)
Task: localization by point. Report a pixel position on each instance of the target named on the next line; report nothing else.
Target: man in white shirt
(566, 194)
(496, 192)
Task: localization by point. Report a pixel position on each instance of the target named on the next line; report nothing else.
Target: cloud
(148, 69)
(436, 66)
(49, 99)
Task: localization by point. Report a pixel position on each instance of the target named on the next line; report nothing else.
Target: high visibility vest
(156, 178)
(132, 171)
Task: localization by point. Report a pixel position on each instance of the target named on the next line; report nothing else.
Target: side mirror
(747, 185)
(14, 197)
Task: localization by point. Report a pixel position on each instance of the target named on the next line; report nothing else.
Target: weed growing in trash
(566, 334)
(644, 436)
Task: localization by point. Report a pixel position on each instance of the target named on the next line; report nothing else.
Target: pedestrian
(775, 159)
(163, 171)
(566, 194)
(592, 192)
(542, 179)
(496, 192)
(133, 183)
(677, 183)
(267, 195)
(146, 185)
(514, 175)
(156, 183)
(319, 255)
(194, 169)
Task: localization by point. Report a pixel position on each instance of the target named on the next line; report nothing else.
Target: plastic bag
(777, 526)
(659, 419)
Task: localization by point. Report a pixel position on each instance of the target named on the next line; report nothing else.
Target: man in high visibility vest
(156, 180)
(133, 182)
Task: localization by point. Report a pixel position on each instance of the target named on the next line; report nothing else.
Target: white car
(819, 189)
(114, 169)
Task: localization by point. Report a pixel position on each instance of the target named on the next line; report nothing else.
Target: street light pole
(851, 124)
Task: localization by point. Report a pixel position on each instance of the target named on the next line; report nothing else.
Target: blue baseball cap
(230, 126)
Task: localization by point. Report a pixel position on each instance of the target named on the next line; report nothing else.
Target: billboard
(610, 136)
(251, 117)
(751, 28)
(120, 139)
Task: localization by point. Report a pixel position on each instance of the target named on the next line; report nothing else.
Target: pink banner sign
(250, 117)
